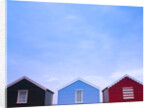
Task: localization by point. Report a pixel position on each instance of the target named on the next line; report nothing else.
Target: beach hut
(126, 89)
(78, 91)
(26, 92)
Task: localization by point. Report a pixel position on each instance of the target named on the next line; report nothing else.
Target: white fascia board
(126, 75)
(80, 80)
(28, 79)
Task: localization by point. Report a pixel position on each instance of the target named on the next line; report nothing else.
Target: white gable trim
(123, 78)
(80, 80)
(24, 77)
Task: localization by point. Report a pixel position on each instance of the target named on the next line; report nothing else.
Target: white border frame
(146, 56)
(2, 55)
(95, 2)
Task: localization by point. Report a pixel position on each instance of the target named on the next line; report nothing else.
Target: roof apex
(77, 79)
(30, 80)
(126, 75)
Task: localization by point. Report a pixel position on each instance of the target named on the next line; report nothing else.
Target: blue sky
(55, 43)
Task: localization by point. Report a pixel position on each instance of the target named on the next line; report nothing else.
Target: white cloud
(87, 44)
(136, 73)
(72, 17)
(52, 79)
(99, 81)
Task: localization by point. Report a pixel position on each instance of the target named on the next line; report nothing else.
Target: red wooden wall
(116, 94)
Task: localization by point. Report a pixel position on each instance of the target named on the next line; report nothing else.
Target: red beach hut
(124, 90)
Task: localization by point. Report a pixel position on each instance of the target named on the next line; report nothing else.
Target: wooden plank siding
(36, 95)
(125, 90)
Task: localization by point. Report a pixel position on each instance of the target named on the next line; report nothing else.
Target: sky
(55, 43)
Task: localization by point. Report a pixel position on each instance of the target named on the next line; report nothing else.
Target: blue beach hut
(78, 91)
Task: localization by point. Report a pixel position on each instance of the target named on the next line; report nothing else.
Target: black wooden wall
(36, 95)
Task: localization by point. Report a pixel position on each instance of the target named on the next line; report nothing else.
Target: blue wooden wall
(67, 95)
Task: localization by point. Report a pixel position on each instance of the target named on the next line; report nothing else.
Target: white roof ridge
(30, 80)
(79, 78)
(134, 79)
(126, 75)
